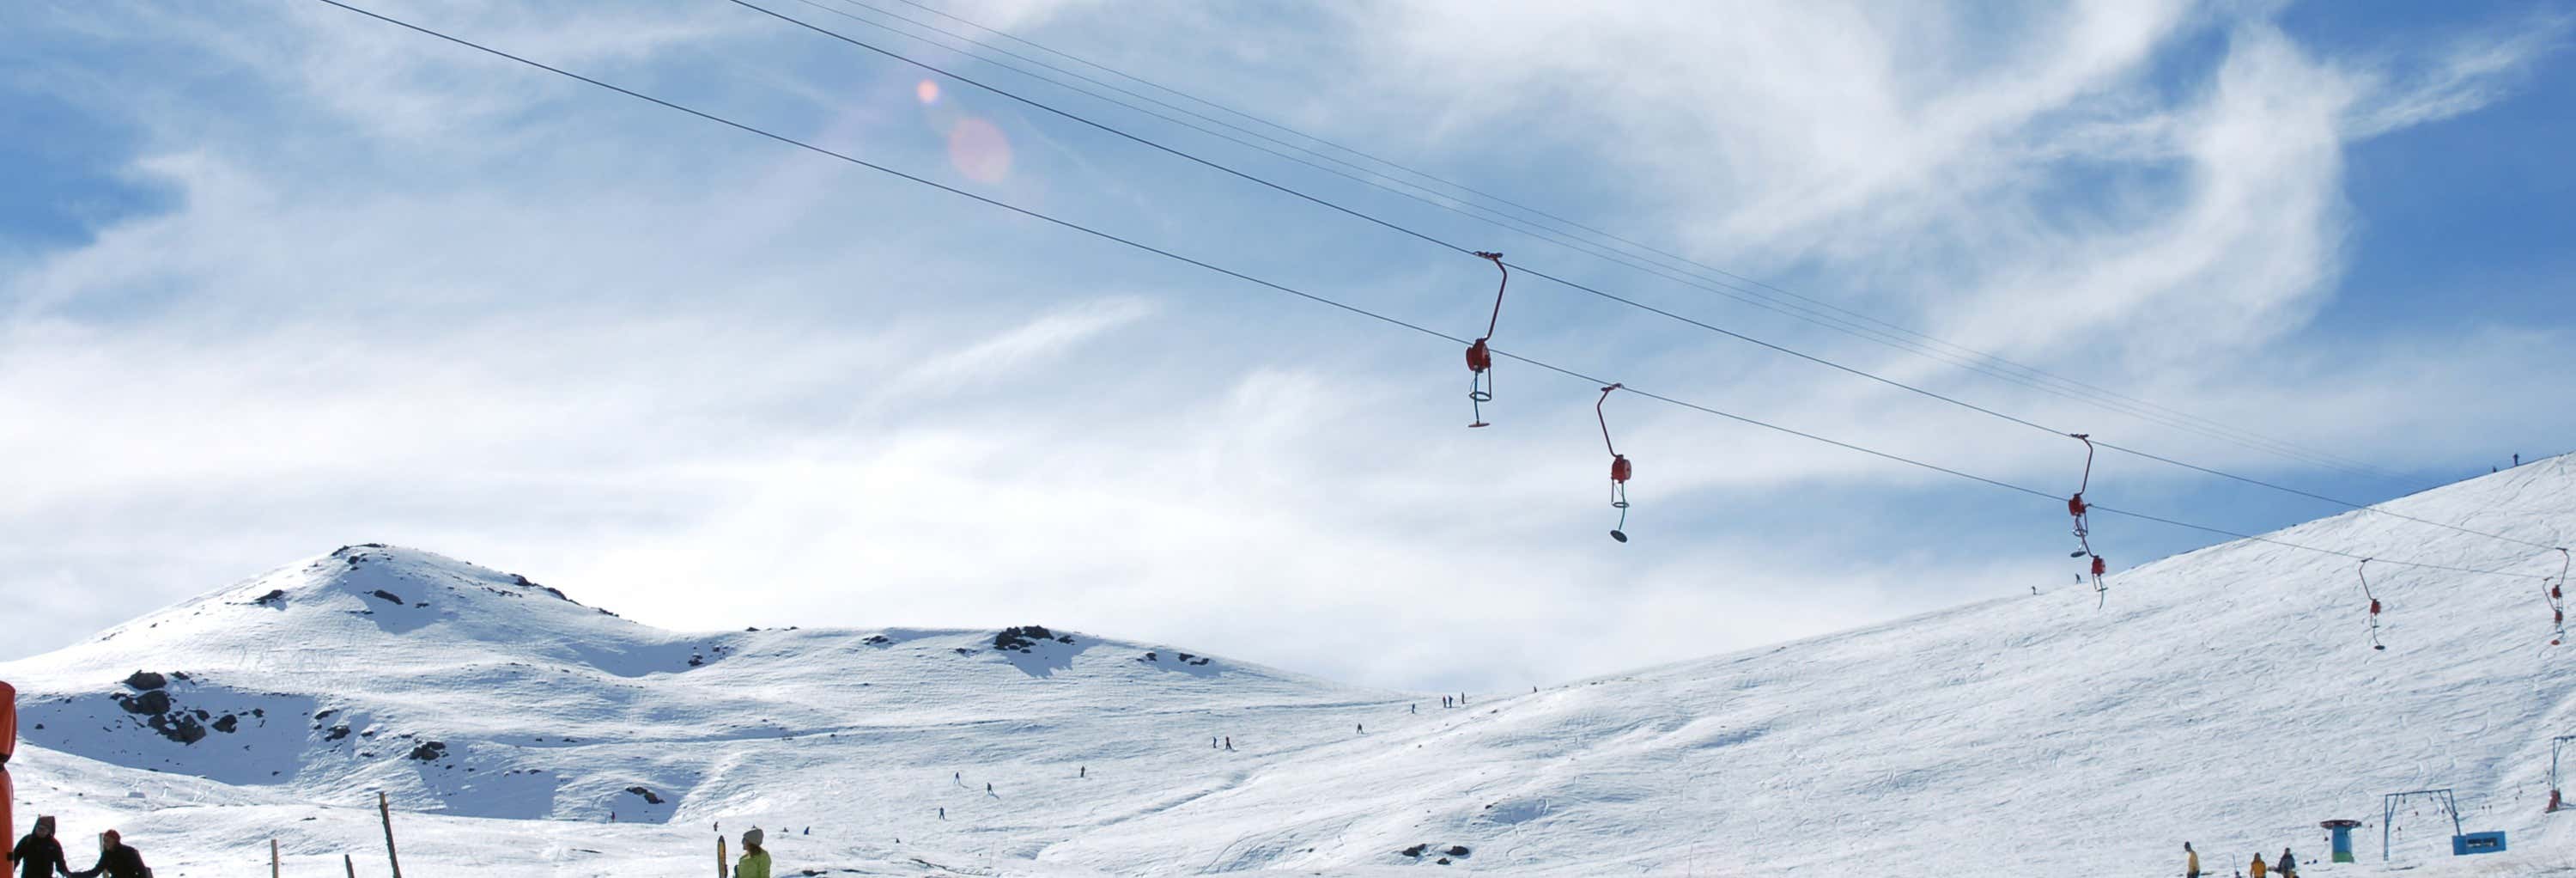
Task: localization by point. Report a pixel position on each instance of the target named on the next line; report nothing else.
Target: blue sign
(2477, 843)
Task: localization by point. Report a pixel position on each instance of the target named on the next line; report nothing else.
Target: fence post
(272, 858)
(385, 808)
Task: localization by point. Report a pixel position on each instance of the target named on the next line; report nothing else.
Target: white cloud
(705, 381)
(2464, 75)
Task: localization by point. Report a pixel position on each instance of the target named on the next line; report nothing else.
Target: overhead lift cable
(1363, 312)
(1734, 285)
(1613, 297)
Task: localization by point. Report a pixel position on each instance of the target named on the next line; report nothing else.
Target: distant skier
(1413, 708)
(755, 859)
(2257, 870)
(1361, 728)
(988, 788)
(39, 855)
(1084, 772)
(2289, 865)
(2190, 861)
(943, 813)
(1229, 743)
(115, 860)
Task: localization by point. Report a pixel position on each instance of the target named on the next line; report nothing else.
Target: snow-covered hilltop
(2226, 697)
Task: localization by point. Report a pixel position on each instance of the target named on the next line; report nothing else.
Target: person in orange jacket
(2257, 869)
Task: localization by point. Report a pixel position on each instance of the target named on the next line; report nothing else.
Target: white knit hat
(751, 839)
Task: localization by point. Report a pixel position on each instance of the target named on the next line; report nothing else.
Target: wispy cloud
(414, 296)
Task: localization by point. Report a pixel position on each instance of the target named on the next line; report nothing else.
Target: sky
(281, 277)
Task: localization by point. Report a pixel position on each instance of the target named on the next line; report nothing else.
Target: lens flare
(979, 150)
(927, 91)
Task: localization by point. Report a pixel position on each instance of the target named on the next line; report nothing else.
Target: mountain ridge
(2227, 696)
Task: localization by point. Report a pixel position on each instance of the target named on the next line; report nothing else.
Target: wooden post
(720, 858)
(385, 808)
(349, 864)
(272, 858)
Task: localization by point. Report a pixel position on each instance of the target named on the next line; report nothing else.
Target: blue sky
(278, 279)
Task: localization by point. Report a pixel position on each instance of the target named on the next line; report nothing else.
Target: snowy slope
(2226, 697)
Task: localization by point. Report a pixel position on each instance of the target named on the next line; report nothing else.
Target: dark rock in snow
(228, 723)
(146, 681)
(429, 751)
(1414, 851)
(1020, 638)
(389, 597)
(524, 582)
(154, 702)
(649, 797)
(1457, 850)
(276, 597)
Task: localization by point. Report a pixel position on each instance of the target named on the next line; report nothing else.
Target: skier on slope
(2288, 867)
(755, 860)
(2256, 870)
(39, 855)
(115, 860)
(2190, 861)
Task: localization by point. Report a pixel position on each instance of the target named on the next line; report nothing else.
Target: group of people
(2287, 867)
(39, 856)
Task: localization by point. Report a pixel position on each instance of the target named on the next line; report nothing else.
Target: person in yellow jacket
(2190, 861)
(2257, 869)
(755, 860)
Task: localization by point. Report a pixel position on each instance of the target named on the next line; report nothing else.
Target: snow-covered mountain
(2226, 697)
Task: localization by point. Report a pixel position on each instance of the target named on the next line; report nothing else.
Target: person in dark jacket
(115, 860)
(39, 855)
(2288, 867)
